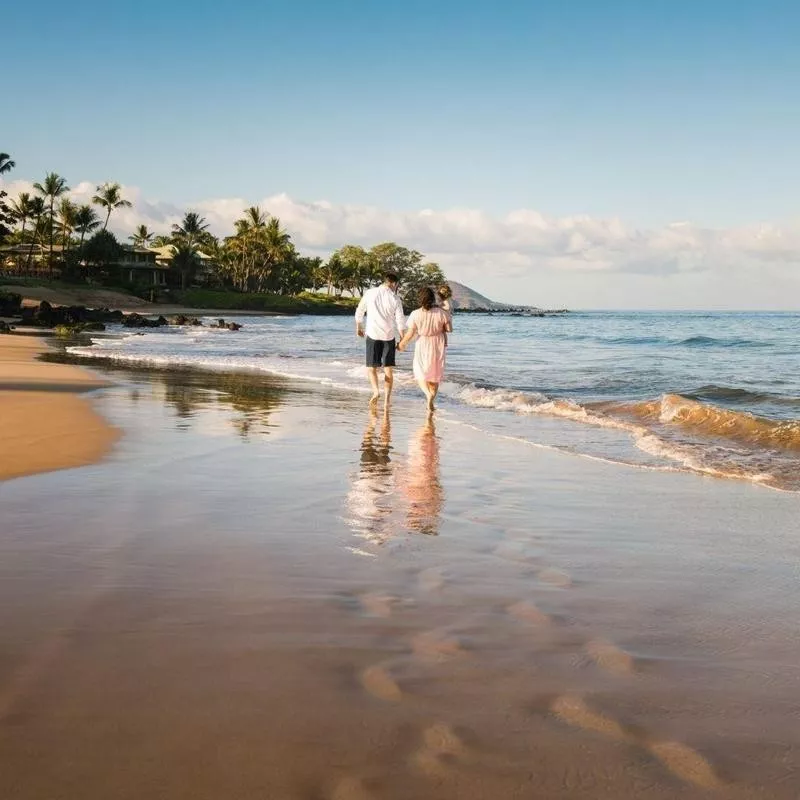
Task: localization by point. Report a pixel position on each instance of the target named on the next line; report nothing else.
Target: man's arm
(399, 319)
(361, 312)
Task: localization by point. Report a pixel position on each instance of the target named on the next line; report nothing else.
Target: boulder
(5, 327)
(10, 304)
(137, 321)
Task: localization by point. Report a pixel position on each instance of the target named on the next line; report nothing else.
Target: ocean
(715, 393)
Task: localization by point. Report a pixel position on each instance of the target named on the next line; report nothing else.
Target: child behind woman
(444, 293)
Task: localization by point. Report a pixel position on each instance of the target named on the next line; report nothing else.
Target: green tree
(185, 261)
(67, 222)
(186, 240)
(22, 209)
(141, 236)
(109, 196)
(6, 213)
(38, 210)
(52, 187)
(86, 221)
(102, 250)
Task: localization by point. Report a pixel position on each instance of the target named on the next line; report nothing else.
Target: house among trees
(140, 266)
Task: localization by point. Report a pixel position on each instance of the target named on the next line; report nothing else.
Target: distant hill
(466, 299)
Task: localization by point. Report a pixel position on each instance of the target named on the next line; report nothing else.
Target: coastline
(46, 422)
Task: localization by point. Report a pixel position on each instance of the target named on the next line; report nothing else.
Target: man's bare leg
(388, 383)
(373, 382)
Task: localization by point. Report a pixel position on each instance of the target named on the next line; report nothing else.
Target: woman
(430, 324)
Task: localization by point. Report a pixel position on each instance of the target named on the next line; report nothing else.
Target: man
(385, 324)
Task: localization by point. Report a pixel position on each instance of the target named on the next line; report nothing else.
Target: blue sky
(650, 112)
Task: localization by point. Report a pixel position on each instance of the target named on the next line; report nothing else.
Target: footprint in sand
(515, 550)
(572, 710)
(610, 658)
(554, 577)
(379, 683)
(350, 788)
(431, 579)
(441, 750)
(685, 763)
(377, 605)
(435, 645)
(681, 760)
(528, 613)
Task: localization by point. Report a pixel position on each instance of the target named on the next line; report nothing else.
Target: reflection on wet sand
(370, 502)
(423, 485)
(190, 391)
(388, 494)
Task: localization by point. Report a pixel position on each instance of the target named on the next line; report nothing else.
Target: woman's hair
(444, 292)
(427, 299)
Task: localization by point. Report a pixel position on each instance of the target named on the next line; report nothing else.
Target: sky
(579, 153)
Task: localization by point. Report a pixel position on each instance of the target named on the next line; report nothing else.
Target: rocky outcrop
(10, 304)
(138, 321)
(48, 316)
(81, 327)
(182, 319)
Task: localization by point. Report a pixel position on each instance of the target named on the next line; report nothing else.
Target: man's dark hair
(391, 277)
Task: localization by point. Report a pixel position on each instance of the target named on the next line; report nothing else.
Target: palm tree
(67, 213)
(141, 236)
(22, 210)
(191, 229)
(6, 164)
(38, 210)
(86, 221)
(109, 196)
(184, 259)
(54, 186)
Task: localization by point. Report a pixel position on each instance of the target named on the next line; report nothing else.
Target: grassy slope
(61, 293)
(306, 303)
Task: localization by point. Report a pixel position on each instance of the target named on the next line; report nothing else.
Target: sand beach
(266, 590)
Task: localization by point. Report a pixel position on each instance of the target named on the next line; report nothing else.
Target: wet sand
(269, 592)
(45, 422)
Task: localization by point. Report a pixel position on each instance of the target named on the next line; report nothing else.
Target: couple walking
(383, 309)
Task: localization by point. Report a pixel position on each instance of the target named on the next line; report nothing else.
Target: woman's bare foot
(431, 406)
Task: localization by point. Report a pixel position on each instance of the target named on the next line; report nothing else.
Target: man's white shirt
(384, 312)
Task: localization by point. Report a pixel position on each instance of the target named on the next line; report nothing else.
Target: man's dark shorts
(380, 353)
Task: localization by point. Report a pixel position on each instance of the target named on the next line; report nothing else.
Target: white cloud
(577, 259)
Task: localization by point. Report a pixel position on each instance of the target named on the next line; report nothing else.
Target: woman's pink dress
(429, 351)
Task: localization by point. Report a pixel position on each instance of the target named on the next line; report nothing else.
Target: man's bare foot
(374, 399)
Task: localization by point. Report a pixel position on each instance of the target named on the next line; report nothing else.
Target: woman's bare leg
(423, 385)
(433, 390)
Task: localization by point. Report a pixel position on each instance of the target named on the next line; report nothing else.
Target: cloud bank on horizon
(526, 256)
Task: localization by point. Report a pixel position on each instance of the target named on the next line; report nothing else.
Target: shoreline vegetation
(46, 234)
(48, 240)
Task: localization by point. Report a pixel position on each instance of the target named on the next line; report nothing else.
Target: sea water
(716, 393)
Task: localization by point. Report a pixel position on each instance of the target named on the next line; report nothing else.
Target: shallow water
(270, 591)
(715, 393)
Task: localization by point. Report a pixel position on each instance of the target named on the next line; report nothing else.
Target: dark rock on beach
(10, 304)
(138, 321)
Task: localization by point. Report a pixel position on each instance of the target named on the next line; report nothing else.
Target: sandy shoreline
(45, 422)
(270, 592)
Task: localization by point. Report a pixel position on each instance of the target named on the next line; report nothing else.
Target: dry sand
(45, 423)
